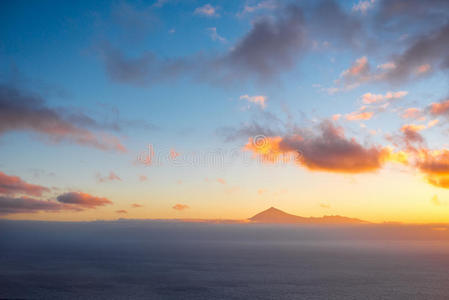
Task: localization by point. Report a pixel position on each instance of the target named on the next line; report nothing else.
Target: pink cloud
(111, 177)
(221, 180)
(11, 185)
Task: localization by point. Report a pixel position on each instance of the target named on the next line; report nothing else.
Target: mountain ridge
(273, 215)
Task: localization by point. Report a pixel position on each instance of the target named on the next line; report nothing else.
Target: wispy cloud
(24, 111)
(180, 207)
(207, 10)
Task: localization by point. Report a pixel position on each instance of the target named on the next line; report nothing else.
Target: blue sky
(196, 77)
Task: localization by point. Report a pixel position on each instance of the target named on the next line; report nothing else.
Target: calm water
(154, 260)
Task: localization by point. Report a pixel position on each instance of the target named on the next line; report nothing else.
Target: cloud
(435, 165)
(426, 54)
(259, 100)
(180, 207)
(330, 21)
(359, 115)
(336, 117)
(142, 70)
(121, 211)
(411, 113)
(440, 108)
(399, 14)
(411, 133)
(12, 205)
(136, 205)
(111, 177)
(271, 46)
(12, 185)
(221, 180)
(20, 111)
(207, 10)
(143, 178)
(325, 150)
(262, 5)
(215, 36)
(370, 98)
(83, 200)
(363, 6)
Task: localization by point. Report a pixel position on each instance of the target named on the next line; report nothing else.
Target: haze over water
(173, 260)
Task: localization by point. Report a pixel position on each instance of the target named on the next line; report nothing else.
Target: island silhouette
(277, 216)
(274, 215)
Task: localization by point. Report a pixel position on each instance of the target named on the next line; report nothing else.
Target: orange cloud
(439, 108)
(435, 165)
(180, 207)
(11, 185)
(359, 115)
(136, 205)
(121, 211)
(411, 113)
(268, 149)
(336, 117)
(328, 150)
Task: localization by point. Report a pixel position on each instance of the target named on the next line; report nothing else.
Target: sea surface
(174, 260)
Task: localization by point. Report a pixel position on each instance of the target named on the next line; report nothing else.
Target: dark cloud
(65, 202)
(11, 205)
(271, 46)
(411, 136)
(20, 111)
(417, 14)
(83, 200)
(142, 70)
(426, 54)
(331, 151)
(329, 21)
(12, 185)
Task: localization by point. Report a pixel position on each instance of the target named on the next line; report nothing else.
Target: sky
(219, 110)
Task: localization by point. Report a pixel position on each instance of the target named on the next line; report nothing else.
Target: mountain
(274, 215)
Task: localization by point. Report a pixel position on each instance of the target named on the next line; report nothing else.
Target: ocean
(174, 260)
